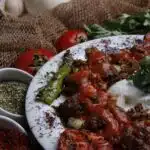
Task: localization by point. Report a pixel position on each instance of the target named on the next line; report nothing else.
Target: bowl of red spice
(13, 87)
(12, 135)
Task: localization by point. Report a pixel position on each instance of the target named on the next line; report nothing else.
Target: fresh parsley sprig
(141, 79)
(126, 24)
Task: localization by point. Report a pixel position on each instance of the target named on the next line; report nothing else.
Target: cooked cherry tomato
(88, 90)
(120, 115)
(102, 98)
(137, 56)
(112, 126)
(122, 55)
(70, 38)
(105, 70)
(95, 56)
(31, 60)
(79, 77)
(93, 98)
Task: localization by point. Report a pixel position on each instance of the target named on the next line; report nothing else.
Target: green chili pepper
(49, 93)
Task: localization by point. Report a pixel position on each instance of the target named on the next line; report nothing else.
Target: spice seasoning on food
(12, 96)
(13, 140)
(49, 119)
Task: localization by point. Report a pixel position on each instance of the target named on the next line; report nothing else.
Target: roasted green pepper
(49, 93)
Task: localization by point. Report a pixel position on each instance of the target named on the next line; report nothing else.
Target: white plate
(35, 111)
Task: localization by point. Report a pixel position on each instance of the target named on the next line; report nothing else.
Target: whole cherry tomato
(31, 60)
(70, 38)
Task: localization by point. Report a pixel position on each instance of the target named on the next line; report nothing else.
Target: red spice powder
(49, 119)
(13, 140)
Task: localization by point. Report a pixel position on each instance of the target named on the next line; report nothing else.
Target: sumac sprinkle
(13, 140)
(49, 119)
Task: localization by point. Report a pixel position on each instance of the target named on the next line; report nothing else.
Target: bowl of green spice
(13, 87)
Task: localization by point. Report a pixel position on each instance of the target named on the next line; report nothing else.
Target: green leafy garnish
(145, 63)
(126, 24)
(141, 79)
(22, 49)
(96, 31)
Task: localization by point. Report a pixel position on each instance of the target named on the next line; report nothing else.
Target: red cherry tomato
(31, 60)
(70, 38)
(102, 98)
(80, 76)
(95, 56)
(88, 90)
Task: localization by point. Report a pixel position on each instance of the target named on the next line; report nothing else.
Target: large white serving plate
(35, 111)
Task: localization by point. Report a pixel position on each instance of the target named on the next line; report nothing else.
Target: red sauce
(13, 140)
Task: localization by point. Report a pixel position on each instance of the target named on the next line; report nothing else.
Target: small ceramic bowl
(13, 74)
(7, 123)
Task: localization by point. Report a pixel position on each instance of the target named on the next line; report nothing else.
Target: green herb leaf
(96, 31)
(145, 63)
(22, 49)
(126, 24)
(142, 78)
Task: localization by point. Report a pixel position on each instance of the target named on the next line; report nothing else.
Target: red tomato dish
(92, 119)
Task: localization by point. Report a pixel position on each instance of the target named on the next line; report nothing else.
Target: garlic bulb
(38, 6)
(14, 7)
(2, 5)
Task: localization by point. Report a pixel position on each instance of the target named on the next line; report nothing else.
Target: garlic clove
(14, 7)
(75, 123)
(35, 7)
(2, 5)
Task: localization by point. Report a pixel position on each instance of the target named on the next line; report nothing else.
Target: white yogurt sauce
(128, 95)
